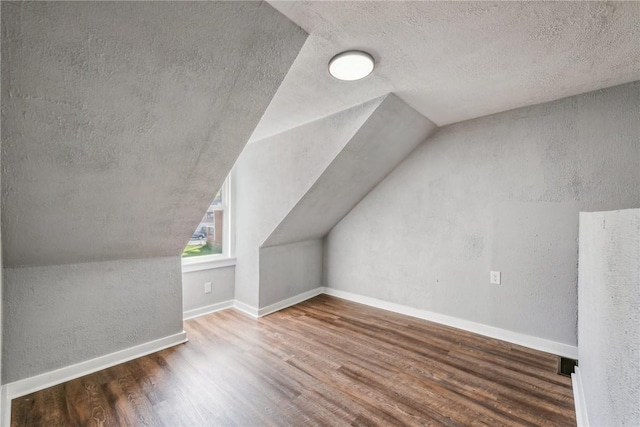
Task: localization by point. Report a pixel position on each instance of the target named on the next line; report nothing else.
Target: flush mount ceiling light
(351, 65)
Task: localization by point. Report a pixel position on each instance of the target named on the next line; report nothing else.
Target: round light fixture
(351, 65)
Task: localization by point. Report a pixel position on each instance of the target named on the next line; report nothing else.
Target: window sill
(190, 265)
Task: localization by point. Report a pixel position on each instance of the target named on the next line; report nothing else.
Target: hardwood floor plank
(443, 366)
(87, 402)
(323, 362)
(23, 411)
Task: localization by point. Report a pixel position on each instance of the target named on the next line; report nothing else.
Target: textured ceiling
(121, 119)
(381, 142)
(453, 61)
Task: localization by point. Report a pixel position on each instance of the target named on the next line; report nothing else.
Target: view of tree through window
(207, 239)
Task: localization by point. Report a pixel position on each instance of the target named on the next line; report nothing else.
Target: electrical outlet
(494, 277)
(207, 288)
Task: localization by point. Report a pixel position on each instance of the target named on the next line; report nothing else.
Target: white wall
(390, 133)
(289, 270)
(292, 188)
(609, 316)
(222, 287)
(1, 271)
(272, 175)
(120, 120)
(503, 193)
(56, 316)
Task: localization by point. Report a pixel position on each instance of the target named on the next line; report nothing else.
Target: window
(211, 240)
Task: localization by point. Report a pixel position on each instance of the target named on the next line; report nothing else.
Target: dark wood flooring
(323, 362)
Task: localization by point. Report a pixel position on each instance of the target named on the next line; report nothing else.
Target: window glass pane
(217, 201)
(207, 238)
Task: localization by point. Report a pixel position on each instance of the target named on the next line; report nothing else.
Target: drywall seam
(536, 343)
(48, 379)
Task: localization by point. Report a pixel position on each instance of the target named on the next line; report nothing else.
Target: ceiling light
(351, 65)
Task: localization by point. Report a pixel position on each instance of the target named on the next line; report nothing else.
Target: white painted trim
(582, 420)
(207, 309)
(192, 264)
(227, 257)
(245, 308)
(29, 385)
(250, 310)
(5, 408)
(290, 301)
(541, 344)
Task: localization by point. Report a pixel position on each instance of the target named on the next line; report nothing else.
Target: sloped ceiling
(120, 120)
(453, 61)
(270, 177)
(274, 175)
(389, 134)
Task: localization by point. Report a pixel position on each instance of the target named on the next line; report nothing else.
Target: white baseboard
(245, 308)
(541, 344)
(290, 301)
(578, 399)
(208, 309)
(250, 310)
(5, 408)
(537, 343)
(29, 385)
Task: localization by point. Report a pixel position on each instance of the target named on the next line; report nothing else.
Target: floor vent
(566, 366)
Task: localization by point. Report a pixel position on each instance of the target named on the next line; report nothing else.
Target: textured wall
(1, 274)
(389, 134)
(222, 287)
(55, 316)
(289, 270)
(496, 193)
(121, 119)
(295, 186)
(272, 175)
(609, 316)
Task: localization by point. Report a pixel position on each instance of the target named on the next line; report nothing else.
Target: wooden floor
(323, 362)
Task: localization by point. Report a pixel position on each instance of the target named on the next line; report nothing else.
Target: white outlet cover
(494, 278)
(207, 288)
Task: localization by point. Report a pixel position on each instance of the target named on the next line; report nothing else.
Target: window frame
(227, 257)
